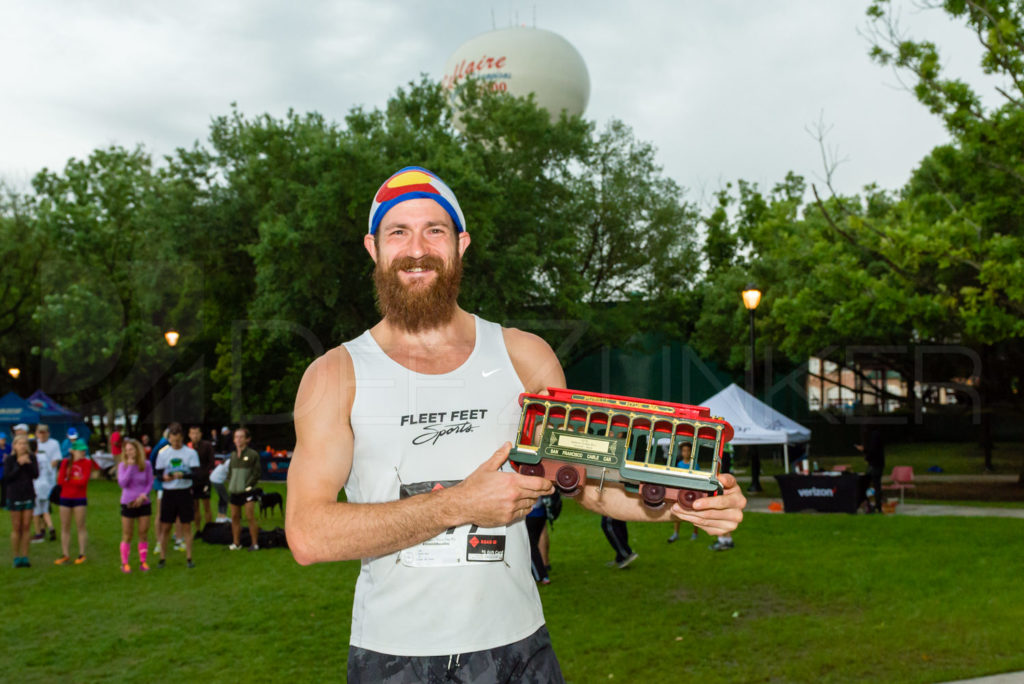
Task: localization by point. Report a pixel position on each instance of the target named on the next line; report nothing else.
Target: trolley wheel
(653, 495)
(568, 480)
(686, 497)
(532, 469)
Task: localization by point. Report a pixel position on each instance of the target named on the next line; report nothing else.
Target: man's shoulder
(520, 340)
(533, 359)
(328, 385)
(331, 365)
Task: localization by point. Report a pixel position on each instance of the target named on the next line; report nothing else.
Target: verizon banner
(825, 492)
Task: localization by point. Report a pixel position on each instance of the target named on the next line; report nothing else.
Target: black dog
(268, 501)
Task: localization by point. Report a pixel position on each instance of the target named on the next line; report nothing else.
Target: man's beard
(418, 307)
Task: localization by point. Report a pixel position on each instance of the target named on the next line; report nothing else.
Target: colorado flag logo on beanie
(414, 182)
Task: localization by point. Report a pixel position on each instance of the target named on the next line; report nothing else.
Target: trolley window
(556, 417)
(639, 439)
(598, 423)
(533, 424)
(683, 452)
(707, 448)
(661, 450)
(577, 420)
(620, 425)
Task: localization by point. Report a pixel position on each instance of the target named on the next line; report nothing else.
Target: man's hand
(716, 515)
(491, 498)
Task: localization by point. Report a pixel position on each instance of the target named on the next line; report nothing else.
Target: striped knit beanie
(414, 182)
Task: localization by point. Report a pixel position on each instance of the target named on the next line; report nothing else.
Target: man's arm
(255, 473)
(320, 528)
(538, 369)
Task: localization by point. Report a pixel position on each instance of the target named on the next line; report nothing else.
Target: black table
(826, 492)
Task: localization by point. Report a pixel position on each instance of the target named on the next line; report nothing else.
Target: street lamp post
(171, 337)
(751, 298)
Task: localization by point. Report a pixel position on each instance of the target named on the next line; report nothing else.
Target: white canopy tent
(754, 421)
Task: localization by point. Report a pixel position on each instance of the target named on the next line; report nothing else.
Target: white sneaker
(627, 560)
(234, 547)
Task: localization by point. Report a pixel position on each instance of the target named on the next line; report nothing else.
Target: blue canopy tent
(14, 410)
(57, 417)
(49, 409)
(40, 408)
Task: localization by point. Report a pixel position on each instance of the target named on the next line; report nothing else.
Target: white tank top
(467, 589)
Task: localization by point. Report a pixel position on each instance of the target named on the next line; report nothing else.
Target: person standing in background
(536, 520)
(724, 541)
(69, 439)
(48, 456)
(217, 479)
(243, 477)
(873, 449)
(73, 478)
(158, 485)
(174, 465)
(115, 444)
(5, 449)
(201, 476)
(20, 469)
(135, 476)
(225, 445)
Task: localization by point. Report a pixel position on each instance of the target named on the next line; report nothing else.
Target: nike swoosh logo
(489, 373)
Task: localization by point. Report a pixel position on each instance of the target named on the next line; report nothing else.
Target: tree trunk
(986, 408)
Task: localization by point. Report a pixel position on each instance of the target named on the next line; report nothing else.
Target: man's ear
(464, 241)
(371, 246)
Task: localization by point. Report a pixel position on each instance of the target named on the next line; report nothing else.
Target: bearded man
(413, 419)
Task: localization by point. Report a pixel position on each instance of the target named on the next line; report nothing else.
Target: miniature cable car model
(660, 449)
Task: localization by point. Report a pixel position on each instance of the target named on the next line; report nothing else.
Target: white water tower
(521, 61)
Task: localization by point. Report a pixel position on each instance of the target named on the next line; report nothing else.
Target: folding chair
(902, 479)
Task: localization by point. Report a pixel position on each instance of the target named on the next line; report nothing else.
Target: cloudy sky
(723, 89)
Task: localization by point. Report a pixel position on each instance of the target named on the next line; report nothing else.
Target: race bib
(455, 546)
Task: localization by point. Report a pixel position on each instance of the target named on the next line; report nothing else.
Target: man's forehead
(417, 212)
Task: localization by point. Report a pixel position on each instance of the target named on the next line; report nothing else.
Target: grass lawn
(955, 458)
(802, 598)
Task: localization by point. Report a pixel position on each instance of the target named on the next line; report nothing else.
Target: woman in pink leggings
(135, 475)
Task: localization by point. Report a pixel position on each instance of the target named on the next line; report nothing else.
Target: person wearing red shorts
(73, 478)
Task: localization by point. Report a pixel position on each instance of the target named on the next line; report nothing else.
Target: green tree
(934, 264)
(112, 281)
(962, 211)
(574, 232)
(23, 249)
